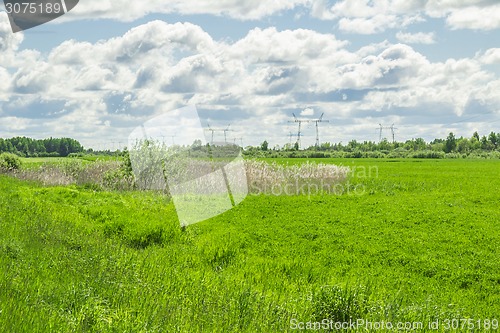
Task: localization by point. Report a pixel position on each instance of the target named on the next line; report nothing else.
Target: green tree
(264, 146)
(493, 139)
(463, 145)
(451, 143)
(476, 136)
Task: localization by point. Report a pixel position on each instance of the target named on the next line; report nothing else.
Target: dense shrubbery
(121, 178)
(451, 147)
(427, 154)
(9, 162)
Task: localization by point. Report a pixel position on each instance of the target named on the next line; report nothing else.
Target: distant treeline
(51, 147)
(452, 147)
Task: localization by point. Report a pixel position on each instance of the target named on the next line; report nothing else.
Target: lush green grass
(417, 241)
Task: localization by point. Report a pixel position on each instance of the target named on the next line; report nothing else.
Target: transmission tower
(316, 121)
(170, 136)
(299, 121)
(319, 120)
(392, 128)
(213, 130)
(238, 139)
(225, 132)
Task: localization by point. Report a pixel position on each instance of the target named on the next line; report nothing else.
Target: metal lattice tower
(319, 120)
(225, 132)
(213, 130)
(316, 121)
(299, 121)
(392, 128)
(238, 139)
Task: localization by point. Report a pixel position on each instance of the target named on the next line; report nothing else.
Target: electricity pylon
(225, 130)
(319, 120)
(392, 128)
(316, 121)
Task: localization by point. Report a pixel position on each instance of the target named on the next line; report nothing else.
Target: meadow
(409, 241)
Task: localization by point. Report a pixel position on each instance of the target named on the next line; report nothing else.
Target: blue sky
(428, 66)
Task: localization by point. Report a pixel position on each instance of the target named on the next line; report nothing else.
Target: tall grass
(70, 172)
(270, 178)
(261, 177)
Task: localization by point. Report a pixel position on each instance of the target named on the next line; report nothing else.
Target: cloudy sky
(95, 74)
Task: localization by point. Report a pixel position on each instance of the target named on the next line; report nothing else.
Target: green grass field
(409, 241)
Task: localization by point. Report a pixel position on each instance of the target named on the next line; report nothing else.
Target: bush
(453, 155)
(427, 154)
(9, 162)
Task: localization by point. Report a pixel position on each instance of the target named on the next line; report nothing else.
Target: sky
(429, 67)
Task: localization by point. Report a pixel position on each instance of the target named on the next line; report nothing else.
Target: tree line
(51, 147)
(451, 146)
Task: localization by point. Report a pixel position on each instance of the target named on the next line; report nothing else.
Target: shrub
(72, 168)
(427, 154)
(9, 162)
(453, 155)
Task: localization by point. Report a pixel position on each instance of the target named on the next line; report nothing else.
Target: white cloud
(307, 112)
(4, 85)
(368, 17)
(127, 11)
(8, 41)
(102, 89)
(486, 18)
(417, 38)
(355, 16)
(491, 56)
(270, 45)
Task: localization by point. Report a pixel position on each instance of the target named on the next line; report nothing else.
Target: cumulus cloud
(477, 18)
(128, 11)
(307, 112)
(115, 84)
(355, 16)
(491, 56)
(417, 38)
(8, 40)
(369, 17)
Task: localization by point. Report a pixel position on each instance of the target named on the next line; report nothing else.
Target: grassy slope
(422, 242)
